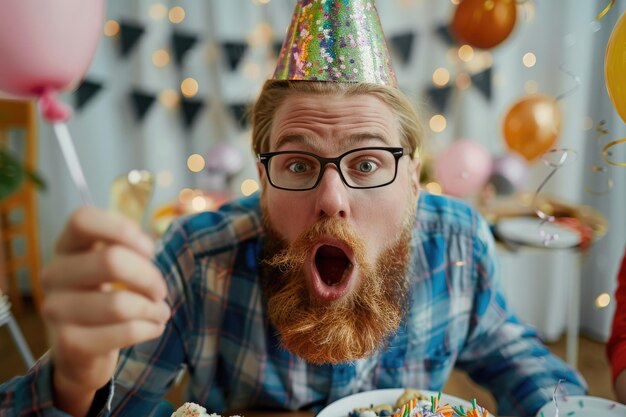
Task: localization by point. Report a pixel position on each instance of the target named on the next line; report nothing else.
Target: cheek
(287, 214)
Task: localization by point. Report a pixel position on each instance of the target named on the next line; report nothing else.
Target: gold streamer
(605, 152)
(605, 11)
(598, 169)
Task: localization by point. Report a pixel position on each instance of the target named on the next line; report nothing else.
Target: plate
(581, 406)
(342, 407)
(528, 231)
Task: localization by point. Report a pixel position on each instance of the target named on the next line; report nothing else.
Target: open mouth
(332, 270)
(332, 264)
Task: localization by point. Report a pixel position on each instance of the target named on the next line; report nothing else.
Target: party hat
(335, 40)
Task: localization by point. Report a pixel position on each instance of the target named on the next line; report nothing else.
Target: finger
(89, 225)
(88, 341)
(102, 308)
(113, 264)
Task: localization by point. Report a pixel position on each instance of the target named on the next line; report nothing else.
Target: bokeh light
(195, 163)
(437, 123)
(441, 77)
(189, 87)
(249, 187)
(111, 28)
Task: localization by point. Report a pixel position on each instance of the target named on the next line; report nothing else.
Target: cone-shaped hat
(335, 40)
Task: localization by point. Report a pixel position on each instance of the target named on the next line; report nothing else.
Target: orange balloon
(615, 66)
(532, 126)
(483, 23)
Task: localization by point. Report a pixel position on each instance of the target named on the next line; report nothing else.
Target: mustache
(291, 256)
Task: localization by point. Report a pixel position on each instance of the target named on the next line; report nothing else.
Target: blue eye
(366, 166)
(299, 167)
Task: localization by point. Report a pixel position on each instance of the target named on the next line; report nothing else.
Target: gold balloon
(532, 126)
(483, 23)
(615, 66)
(131, 193)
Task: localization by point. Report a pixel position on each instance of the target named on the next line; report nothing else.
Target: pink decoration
(46, 46)
(509, 174)
(224, 158)
(463, 168)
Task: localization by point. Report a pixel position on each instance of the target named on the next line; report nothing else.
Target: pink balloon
(46, 45)
(463, 168)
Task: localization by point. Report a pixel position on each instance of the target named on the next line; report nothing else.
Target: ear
(261, 172)
(415, 170)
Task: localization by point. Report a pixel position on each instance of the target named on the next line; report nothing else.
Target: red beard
(352, 327)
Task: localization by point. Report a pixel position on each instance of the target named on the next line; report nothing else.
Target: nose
(332, 195)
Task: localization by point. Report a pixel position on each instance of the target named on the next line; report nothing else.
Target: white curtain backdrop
(561, 33)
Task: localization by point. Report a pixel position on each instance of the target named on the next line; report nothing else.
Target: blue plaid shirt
(220, 332)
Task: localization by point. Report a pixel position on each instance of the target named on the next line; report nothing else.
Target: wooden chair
(18, 212)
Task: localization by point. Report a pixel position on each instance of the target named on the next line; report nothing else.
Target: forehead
(318, 121)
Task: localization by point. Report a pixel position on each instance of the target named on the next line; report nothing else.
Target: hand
(102, 293)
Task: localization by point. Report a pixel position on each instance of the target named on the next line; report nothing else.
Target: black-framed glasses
(370, 167)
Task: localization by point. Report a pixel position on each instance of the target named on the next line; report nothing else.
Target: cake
(413, 403)
(193, 410)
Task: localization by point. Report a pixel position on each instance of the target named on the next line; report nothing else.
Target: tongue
(331, 263)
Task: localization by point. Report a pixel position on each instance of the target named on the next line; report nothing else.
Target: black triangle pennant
(141, 103)
(85, 92)
(444, 33)
(482, 81)
(276, 47)
(234, 52)
(182, 43)
(439, 97)
(190, 109)
(403, 45)
(130, 33)
(240, 112)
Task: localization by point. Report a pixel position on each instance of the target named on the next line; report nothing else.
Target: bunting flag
(130, 33)
(239, 112)
(482, 81)
(85, 92)
(141, 103)
(402, 44)
(444, 33)
(181, 44)
(190, 109)
(234, 51)
(439, 97)
(276, 47)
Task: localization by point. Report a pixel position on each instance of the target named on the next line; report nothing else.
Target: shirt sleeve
(32, 394)
(145, 372)
(501, 353)
(616, 346)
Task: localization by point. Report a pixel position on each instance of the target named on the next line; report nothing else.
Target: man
(340, 277)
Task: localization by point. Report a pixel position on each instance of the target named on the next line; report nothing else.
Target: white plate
(342, 407)
(582, 406)
(530, 231)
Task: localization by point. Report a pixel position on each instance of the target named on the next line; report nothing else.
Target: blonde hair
(274, 92)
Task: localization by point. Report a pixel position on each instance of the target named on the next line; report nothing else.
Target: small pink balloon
(509, 173)
(463, 168)
(47, 45)
(224, 158)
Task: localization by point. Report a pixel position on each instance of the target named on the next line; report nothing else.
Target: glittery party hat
(335, 40)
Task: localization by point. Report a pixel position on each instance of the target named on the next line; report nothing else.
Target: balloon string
(605, 11)
(71, 159)
(546, 218)
(556, 404)
(574, 77)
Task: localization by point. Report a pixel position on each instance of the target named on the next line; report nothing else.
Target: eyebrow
(350, 141)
